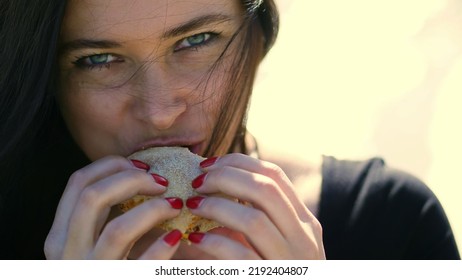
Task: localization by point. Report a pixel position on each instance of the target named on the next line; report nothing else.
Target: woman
(89, 82)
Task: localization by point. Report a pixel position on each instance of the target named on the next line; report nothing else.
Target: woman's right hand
(81, 229)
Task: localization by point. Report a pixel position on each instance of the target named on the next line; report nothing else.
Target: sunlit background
(363, 78)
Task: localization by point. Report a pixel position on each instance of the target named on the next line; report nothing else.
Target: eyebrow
(87, 44)
(184, 28)
(196, 23)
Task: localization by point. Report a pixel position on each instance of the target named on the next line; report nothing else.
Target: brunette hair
(28, 36)
(257, 35)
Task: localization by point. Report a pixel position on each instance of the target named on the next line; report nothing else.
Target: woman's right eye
(97, 60)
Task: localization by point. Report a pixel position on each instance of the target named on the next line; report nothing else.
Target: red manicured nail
(160, 180)
(173, 237)
(197, 183)
(175, 202)
(196, 237)
(194, 202)
(140, 164)
(208, 162)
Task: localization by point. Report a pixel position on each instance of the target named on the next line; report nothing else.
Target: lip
(195, 146)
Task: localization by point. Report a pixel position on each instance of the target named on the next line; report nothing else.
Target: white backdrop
(363, 78)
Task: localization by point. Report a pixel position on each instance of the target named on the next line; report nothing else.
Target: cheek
(92, 118)
(74, 109)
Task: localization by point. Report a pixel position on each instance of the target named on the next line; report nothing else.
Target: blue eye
(196, 40)
(103, 59)
(99, 58)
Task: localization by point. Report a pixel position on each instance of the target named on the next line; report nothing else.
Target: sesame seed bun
(179, 166)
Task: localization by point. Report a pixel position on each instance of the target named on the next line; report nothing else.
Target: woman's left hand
(278, 226)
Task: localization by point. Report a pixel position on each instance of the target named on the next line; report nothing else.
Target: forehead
(136, 18)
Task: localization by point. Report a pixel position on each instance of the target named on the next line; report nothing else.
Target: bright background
(363, 78)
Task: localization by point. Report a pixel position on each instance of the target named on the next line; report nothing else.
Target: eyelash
(81, 61)
(210, 39)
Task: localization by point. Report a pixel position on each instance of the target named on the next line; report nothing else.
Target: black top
(368, 211)
(371, 211)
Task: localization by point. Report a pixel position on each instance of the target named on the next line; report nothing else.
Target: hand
(278, 226)
(81, 229)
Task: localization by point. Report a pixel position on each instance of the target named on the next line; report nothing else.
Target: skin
(146, 89)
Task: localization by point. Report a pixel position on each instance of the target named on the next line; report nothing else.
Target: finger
(164, 248)
(95, 201)
(77, 182)
(265, 168)
(231, 234)
(122, 232)
(253, 223)
(222, 247)
(80, 179)
(260, 190)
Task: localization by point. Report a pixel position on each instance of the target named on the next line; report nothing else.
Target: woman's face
(136, 74)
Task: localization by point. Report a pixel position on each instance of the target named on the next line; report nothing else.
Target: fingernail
(208, 162)
(140, 164)
(173, 237)
(194, 202)
(196, 237)
(160, 180)
(197, 183)
(175, 202)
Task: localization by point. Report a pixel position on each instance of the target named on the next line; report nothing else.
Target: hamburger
(179, 166)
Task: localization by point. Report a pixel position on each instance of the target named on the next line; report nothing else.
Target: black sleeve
(371, 211)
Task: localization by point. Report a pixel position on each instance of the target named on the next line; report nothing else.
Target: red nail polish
(196, 237)
(173, 237)
(197, 183)
(175, 202)
(160, 180)
(208, 162)
(194, 202)
(140, 164)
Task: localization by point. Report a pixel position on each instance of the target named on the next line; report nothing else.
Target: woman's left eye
(196, 40)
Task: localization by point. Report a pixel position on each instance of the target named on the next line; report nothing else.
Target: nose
(160, 100)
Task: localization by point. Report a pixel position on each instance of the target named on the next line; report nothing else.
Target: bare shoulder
(304, 171)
